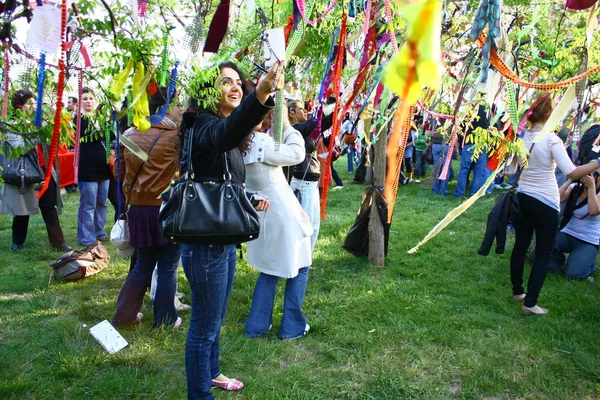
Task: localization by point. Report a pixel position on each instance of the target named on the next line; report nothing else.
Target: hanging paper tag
(44, 32)
(274, 46)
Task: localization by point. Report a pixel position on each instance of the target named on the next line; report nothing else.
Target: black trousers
(47, 205)
(543, 220)
(336, 176)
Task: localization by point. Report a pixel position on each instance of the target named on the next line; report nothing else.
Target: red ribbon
(218, 27)
(335, 129)
(59, 95)
(6, 82)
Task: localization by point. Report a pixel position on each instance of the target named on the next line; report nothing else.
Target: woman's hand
(273, 77)
(589, 183)
(262, 205)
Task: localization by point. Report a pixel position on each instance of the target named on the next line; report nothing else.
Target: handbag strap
(143, 162)
(514, 186)
(190, 164)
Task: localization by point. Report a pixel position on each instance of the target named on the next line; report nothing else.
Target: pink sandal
(230, 385)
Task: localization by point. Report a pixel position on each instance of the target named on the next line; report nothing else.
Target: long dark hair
(195, 107)
(21, 97)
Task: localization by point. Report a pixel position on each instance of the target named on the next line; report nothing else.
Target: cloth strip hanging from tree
(401, 129)
(488, 14)
(164, 62)
(302, 8)
(456, 212)
(367, 17)
(78, 130)
(39, 108)
(59, 103)
(390, 21)
(292, 46)
(411, 69)
(218, 27)
(6, 81)
(434, 113)
(335, 129)
(139, 103)
(501, 66)
(368, 52)
(162, 112)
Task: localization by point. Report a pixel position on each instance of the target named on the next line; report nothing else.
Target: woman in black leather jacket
(210, 269)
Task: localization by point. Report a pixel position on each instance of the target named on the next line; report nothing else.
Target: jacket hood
(167, 123)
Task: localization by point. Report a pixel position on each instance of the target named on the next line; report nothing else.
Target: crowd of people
(285, 178)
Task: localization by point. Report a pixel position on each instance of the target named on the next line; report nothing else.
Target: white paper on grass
(274, 50)
(108, 337)
(44, 30)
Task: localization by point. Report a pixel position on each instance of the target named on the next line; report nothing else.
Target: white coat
(283, 246)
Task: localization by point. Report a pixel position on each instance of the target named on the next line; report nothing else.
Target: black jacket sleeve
(221, 135)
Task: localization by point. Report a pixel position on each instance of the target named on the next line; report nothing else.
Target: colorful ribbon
(59, 95)
(6, 82)
(301, 7)
(335, 129)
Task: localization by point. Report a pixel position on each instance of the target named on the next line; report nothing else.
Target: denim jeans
(480, 171)
(543, 220)
(134, 288)
(260, 319)
(311, 205)
(336, 176)
(582, 258)
(441, 186)
(420, 164)
(92, 211)
(210, 271)
(351, 157)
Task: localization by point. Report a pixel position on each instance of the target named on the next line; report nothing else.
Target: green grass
(440, 324)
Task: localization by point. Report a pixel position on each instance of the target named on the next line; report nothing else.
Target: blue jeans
(351, 157)
(480, 171)
(441, 186)
(582, 258)
(210, 271)
(91, 216)
(420, 164)
(134, 288)
(311, 205)
(261, 312)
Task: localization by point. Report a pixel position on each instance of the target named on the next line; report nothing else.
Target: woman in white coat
(283, 249)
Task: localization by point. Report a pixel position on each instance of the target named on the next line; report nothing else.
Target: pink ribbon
(529, 112)
(6, 82)
(367, 18)
(302, 7)
(388, 15)
(435, 114)
(444, 172)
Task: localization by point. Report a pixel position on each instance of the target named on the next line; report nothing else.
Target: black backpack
(586, 154)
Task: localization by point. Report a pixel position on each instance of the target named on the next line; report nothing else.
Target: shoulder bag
(22, 171)
(213, 213)
(120, 236)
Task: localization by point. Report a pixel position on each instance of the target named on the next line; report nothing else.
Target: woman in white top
(581, 235)
(540, 204)
(283, 249)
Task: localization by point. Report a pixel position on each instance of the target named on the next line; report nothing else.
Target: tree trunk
(376, 234)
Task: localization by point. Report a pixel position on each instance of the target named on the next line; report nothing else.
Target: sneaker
(179, 295)
(337, 188)
(179, 306)
(535, 310)
(498, 186)
(177, 323)
(16, 247)
(506, 186)
(591, 279)
(306, 329)
(138, 318)
(510, 229)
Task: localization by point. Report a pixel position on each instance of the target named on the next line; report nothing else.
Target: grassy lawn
(440, 324)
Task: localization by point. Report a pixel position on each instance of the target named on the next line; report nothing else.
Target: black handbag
(22, 171)
(214, 213)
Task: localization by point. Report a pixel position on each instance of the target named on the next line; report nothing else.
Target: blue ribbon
(329, 57)
(160, 115)
(39, 110)
(115, 123)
